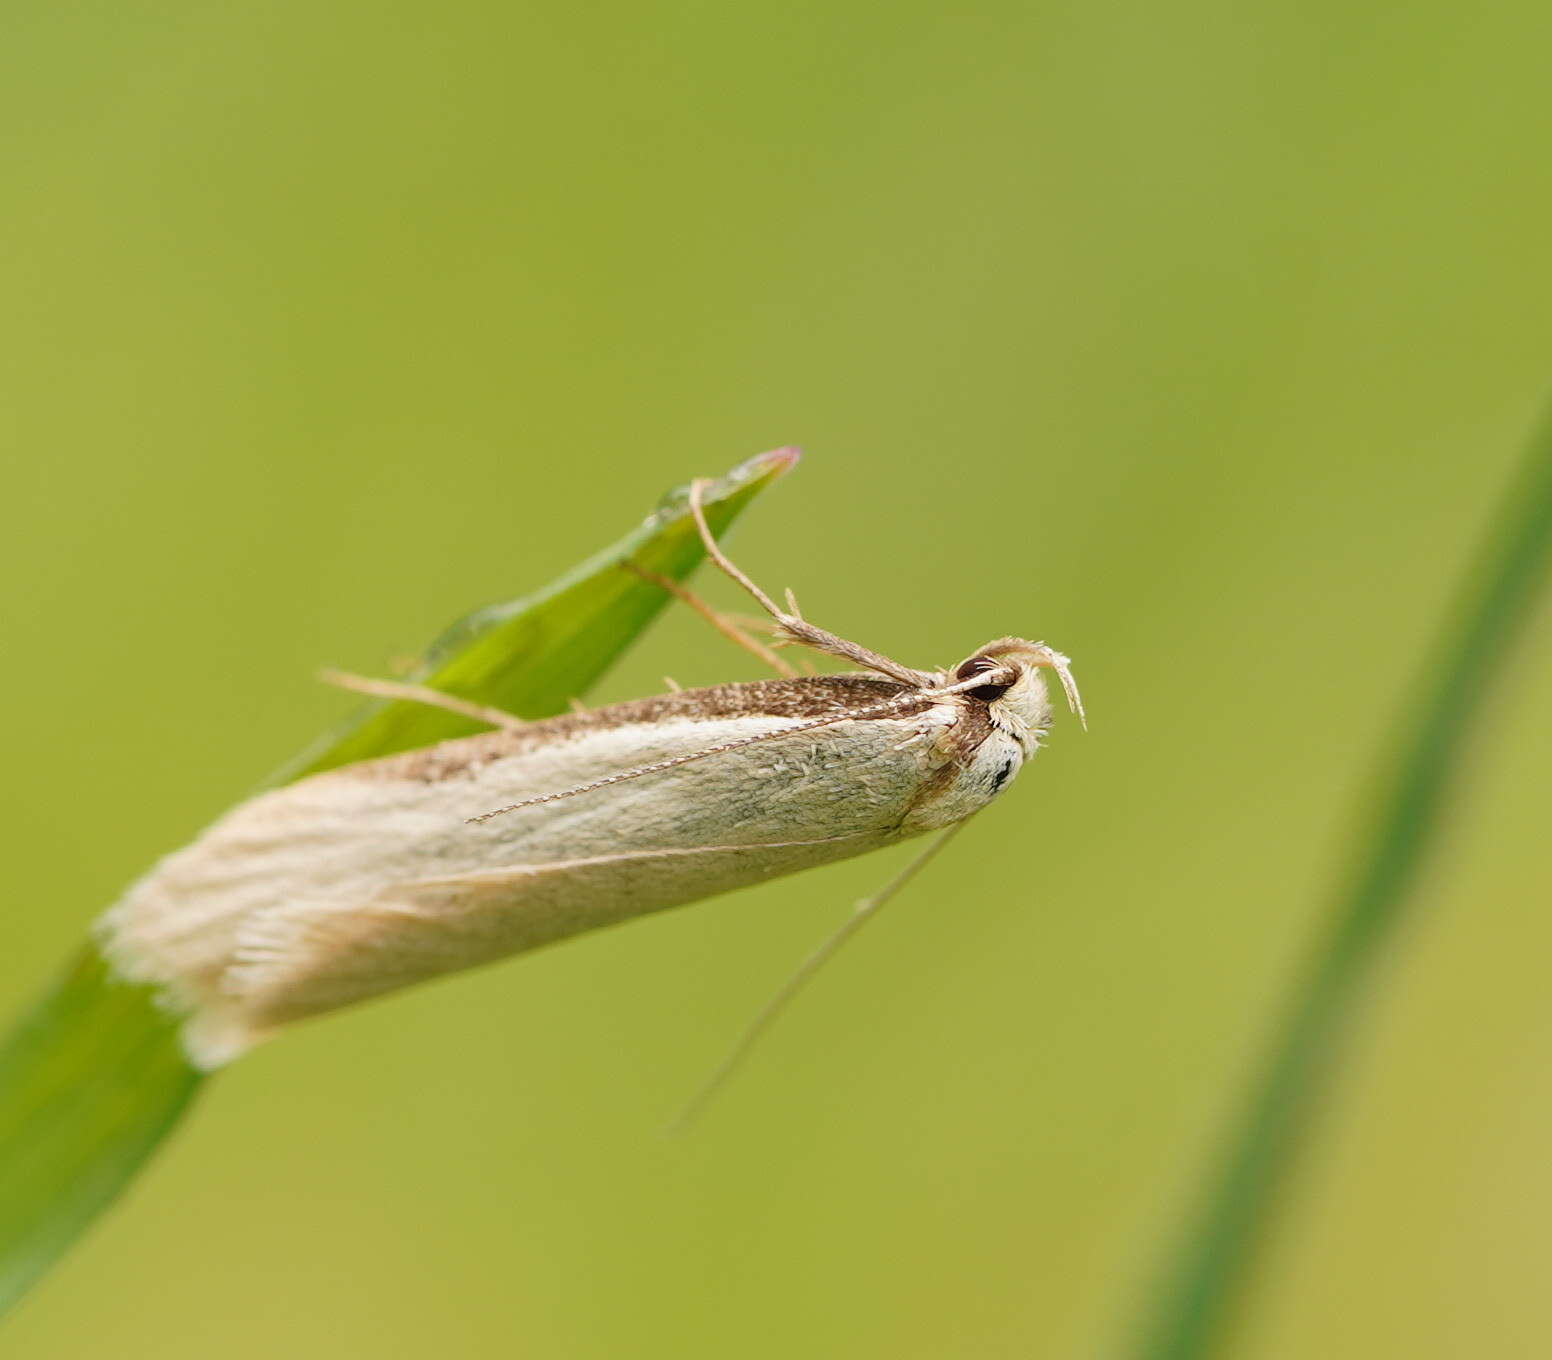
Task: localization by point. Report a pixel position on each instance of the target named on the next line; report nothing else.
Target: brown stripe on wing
(804, 697)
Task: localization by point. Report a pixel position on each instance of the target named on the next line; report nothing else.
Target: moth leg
(421, 694)
(792, 627)
(861, 913)
(751, 623)
(723, 623)
(807, 666)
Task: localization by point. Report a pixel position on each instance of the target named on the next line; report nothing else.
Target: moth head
(1009, 671)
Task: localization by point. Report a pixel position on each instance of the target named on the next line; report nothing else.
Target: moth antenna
(874, 711)
(862, 913)
(792, 603)
(1002, 675)
(791, 626)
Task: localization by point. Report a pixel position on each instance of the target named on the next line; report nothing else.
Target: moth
(356, 882)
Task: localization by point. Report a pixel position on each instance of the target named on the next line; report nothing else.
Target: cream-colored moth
(353, 883)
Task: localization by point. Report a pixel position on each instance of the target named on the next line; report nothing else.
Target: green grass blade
(93, 1077)
(532, 656)
(90, 1082)
(1206, 1278)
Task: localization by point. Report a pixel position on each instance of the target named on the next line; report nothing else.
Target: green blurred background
(1197, 340)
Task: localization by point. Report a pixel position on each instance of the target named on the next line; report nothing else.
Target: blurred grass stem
(1217, 1254)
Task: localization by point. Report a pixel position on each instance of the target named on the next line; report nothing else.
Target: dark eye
(980, 665)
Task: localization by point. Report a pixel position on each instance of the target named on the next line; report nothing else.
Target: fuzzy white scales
(357, 882)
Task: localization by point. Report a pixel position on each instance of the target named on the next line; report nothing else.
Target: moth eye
(980, 665)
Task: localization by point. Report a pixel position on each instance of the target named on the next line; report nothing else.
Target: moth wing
(306, 958)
